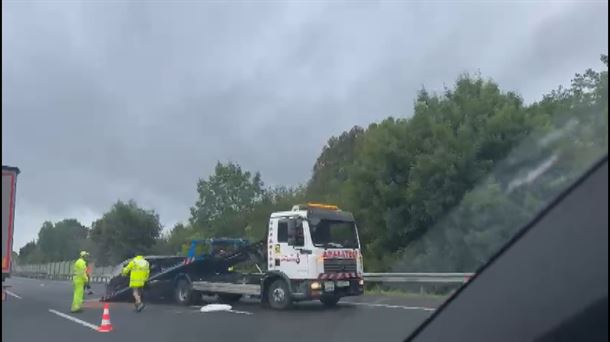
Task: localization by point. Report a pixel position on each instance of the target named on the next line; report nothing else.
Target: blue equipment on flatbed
(216, 246)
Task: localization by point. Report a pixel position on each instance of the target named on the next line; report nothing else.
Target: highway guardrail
(431, 278)
(60, 271)
(63, 271)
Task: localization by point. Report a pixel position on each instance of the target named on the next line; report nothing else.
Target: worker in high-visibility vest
(138, 270)
(79, 279)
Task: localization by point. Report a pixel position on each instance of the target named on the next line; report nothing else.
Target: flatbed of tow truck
(230, 288)
(194, 268)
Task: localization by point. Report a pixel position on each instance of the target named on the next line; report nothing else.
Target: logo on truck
(340, 254)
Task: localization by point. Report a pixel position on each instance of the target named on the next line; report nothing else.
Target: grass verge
(379, 291)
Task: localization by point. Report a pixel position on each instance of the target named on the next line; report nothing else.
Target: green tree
(123, 231)
(406, 174)
(27, 253)
(224, 198)
(275, 199)
(178, 237)
(565, 140)
(62, 240)
(47, 241)
(332, 168)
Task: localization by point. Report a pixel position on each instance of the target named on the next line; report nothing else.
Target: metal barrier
(60, 271)
(63, 271)
(434, 278)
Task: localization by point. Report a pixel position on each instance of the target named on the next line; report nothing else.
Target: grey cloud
(109, 100)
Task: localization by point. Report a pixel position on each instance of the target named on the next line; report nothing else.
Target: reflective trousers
(79, 293)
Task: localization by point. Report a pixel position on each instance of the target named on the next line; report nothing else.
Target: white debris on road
(215, 307)
(222, 308)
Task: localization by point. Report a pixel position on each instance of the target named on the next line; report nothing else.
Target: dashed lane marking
(74, 319)
(12, 294)
(391, 306)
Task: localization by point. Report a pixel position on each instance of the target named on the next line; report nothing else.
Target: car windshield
(334, 234)
(366, 157)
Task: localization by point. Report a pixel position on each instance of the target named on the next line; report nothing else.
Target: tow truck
(311, 252)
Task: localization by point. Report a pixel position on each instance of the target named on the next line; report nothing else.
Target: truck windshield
(334, 234)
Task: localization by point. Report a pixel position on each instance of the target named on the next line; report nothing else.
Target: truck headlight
(315, 285)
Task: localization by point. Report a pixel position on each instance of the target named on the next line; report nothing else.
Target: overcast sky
(108, 100)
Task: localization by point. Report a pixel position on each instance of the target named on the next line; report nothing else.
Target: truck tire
(229, 298)
(329, 300)
(183, 293)
(278, 295)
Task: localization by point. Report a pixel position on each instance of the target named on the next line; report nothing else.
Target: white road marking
(74, 319)
(391, 306)
(12, 294)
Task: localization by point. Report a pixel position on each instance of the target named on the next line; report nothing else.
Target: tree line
(438, 191)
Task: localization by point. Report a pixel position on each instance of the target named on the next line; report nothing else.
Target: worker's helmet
(84, 254)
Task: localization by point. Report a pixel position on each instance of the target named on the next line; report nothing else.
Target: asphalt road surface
(38, 310)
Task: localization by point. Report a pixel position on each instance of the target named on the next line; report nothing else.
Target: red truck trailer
(9, 187)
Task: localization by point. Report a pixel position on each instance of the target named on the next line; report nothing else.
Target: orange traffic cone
(106, 326)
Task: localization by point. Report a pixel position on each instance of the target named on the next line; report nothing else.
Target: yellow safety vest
(139, 269)
(80, 270)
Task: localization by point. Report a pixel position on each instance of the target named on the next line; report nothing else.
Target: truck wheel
(278, 295)
(183, 292)
(329, 300)
(228, 298)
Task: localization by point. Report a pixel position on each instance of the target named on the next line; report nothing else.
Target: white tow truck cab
(315, 250)
(312, 253)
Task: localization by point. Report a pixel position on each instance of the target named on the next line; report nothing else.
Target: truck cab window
(282, 231)
(296, 236)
